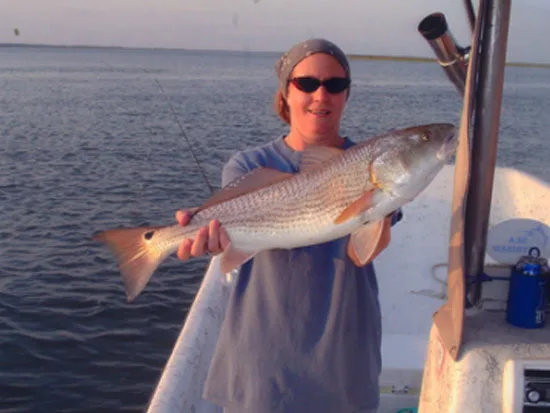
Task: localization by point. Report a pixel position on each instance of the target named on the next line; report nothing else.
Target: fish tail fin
(137, 258)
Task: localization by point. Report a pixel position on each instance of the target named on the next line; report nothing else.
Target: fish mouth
(449, 146)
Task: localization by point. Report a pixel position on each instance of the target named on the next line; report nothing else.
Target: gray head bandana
(300, 51)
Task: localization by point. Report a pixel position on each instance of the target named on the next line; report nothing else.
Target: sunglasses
(309, 84)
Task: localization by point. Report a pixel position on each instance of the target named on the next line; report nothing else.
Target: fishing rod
(210, 187)
(157, 82)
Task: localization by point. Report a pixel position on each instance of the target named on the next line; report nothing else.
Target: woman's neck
(298, 142)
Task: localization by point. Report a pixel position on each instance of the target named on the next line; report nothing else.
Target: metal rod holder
(487, 103)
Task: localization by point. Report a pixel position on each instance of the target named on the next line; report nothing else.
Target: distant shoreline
(413, 59)
(410, 59)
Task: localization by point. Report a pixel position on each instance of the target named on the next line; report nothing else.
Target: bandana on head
(300, 51)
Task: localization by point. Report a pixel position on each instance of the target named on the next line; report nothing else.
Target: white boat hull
(409, 295)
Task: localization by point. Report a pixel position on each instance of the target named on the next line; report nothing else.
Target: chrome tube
(452, 58)
(485, 138)
(476, 160)
(470, 13)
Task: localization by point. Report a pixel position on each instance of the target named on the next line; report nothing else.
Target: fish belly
(247, 240)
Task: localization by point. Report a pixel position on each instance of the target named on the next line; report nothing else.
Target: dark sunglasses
(309, 84)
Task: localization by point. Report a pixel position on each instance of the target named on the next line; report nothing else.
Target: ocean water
(88, 142)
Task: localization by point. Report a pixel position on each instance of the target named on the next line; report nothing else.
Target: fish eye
(425, 136)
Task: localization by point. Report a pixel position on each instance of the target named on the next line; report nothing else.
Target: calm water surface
(88, 142)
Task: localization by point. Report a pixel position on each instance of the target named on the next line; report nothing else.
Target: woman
(302, 332)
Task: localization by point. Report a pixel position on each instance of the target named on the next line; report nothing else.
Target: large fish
(336, 193)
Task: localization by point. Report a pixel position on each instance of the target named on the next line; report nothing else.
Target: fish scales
(306, 204)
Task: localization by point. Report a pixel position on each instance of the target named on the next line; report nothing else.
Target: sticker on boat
(509, 240)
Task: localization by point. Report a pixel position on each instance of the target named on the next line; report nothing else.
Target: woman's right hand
(211, 239)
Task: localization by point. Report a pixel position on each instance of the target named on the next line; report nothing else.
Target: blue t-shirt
(302, 331)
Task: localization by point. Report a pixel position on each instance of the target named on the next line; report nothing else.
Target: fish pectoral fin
(315, 156)
(368, 241)
(252, 181)
(231, 258)
(357, 207)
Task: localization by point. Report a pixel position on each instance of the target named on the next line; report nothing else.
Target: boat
(447, 344)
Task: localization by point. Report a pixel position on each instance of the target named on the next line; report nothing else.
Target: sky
(381, 27)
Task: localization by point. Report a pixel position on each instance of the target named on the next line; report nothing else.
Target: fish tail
(137, 256)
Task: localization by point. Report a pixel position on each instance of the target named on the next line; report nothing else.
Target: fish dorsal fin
(256, 179)
(315, 156)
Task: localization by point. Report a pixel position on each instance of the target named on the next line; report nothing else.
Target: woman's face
(316, 116)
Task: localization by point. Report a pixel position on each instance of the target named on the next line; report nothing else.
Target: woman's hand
(211, 239)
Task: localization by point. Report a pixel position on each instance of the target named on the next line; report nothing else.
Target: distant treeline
(427, 59)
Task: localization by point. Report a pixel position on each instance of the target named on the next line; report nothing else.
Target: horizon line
(351, 56)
